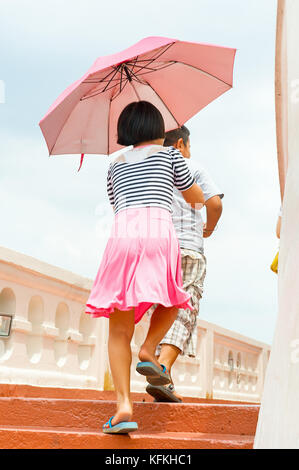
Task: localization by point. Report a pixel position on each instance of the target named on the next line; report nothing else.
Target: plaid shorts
(183, 332)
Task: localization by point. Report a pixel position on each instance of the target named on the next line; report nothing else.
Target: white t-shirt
(188, 222)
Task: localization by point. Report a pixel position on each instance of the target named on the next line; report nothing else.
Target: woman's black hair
(138, 122)
(171, 137)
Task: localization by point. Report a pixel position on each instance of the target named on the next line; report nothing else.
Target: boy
(182, 336)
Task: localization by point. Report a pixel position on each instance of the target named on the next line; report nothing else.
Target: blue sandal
(154, 375)
(121, 428)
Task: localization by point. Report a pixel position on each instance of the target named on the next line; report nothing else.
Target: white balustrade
(54, 343)
(228, 366)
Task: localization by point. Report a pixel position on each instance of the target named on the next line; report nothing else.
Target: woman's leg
(121, 329)
(161, 321)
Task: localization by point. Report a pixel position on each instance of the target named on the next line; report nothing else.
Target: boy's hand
(206, 233)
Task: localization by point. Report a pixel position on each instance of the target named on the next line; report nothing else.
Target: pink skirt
(141, 265)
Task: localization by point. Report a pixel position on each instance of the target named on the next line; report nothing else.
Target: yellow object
(274, 265)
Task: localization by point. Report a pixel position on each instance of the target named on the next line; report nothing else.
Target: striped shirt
(146, 177)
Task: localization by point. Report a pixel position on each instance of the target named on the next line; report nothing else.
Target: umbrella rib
(109, 124)
(118, 93)
(106, 87)
(143, 66)
(97, 93)
(136, 77)
(155, 70)
(103, 81)
(145, 60)
(136, 93)
(116, 71)
(121, 79)
(134, 63)
(152, 59)
(99, 80)
(163, 103)
(139, 81)
(205, 73)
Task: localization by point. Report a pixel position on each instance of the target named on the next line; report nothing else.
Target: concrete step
(30, 391)
(49, 438)
(57, 418)
(89, 415)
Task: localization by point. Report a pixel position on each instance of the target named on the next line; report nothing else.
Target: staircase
(45, 418)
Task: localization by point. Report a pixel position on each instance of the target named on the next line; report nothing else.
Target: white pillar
(208, 363)
(278, 425)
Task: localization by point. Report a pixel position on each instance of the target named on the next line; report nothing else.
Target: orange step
(39, 438)
(17, 390)
(39, 422)
(151, 417)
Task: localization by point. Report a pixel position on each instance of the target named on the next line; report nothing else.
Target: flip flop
(154, 375)
(163, 394)
(121, 428)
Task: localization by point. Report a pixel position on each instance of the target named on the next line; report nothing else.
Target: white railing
(54, 343)
(228, 366)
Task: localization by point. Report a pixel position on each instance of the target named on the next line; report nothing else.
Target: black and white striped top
(147, 181)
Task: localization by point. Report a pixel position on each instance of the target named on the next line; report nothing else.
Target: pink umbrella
(179, 78)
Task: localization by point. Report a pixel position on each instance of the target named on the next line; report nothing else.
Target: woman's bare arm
(194, 196)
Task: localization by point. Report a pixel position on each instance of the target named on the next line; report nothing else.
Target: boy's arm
(214, 211)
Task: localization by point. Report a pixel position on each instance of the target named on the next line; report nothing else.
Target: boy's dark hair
(139, 121)
(172, 137)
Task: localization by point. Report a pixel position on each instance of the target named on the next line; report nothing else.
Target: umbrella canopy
(179, 78)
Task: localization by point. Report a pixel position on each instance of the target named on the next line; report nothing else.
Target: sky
(52, 212)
